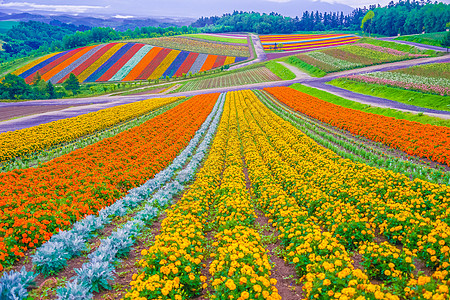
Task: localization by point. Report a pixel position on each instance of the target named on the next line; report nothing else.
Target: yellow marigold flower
(257, 288)
(230, 284)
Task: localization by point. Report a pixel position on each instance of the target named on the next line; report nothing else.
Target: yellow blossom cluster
(241, 268)
(171, 268)
(27, 141)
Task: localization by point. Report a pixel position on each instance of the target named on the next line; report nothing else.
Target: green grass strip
(217, 38)
(394, 94)
(280, 70)
(396, 46)
(388, 112)
(310, 69)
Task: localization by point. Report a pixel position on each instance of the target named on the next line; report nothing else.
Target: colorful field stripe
(197, 65)
(121, 62)
(41, 65)
(99, 62)
(164, 65)
(318, 45)
(65, 63)
(109, 62)
(143, 64)
(78, 70)
(176, 64)
(151, 67)
(33, 63)
(66, 71)
(187, 64)
(209, 62)
(219, 61)
(305, 41)
(120, 75)
(229, 60)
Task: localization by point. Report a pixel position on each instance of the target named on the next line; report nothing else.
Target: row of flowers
(255, 75)
(241, 268)
(411, 137)
(37, 202)
(24, 142)
(306, 179)
(171, 268)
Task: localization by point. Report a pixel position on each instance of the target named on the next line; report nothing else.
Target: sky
(182, 8)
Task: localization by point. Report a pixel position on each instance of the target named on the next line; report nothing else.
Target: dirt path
(298, 74)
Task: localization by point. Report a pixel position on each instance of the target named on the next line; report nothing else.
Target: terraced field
(255, 75)
(121, 62)
(364, 53)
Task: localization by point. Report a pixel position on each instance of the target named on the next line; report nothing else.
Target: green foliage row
(432, 39)
(280, 70)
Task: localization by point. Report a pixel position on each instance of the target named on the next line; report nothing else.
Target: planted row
(24, 142)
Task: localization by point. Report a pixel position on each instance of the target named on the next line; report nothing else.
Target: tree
(367, 18)
(36, 79)
(446, 41)
(50, 90)
(72, 84)
(14, 87)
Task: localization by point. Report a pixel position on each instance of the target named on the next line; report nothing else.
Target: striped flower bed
(121, 62)
(290, 42)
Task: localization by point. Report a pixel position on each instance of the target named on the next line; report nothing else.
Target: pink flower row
(388, 50)
(435, 89)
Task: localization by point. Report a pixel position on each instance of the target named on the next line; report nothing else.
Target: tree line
(404, 17)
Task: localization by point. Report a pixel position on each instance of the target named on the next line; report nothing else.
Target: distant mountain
(151, 9)
(119, 23)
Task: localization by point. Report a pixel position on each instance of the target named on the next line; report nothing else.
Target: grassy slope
(395, 94)
(280, 70)
(311, 70)
(217, 39)
(366, 108)
(433, 39)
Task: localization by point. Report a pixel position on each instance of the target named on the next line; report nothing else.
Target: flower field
(21, 143)
(86, 180)
(238, 164)
(255, 75)
(353, 56)
(291, 42)
(121, 62)
(432, 78)
(413, 138)
(195, 45)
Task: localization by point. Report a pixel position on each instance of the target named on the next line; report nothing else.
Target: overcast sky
(183, 8)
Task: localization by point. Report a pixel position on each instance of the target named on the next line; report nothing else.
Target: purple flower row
(388, 50)
(443, 91)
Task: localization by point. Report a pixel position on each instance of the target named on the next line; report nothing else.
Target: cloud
(27, 6)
